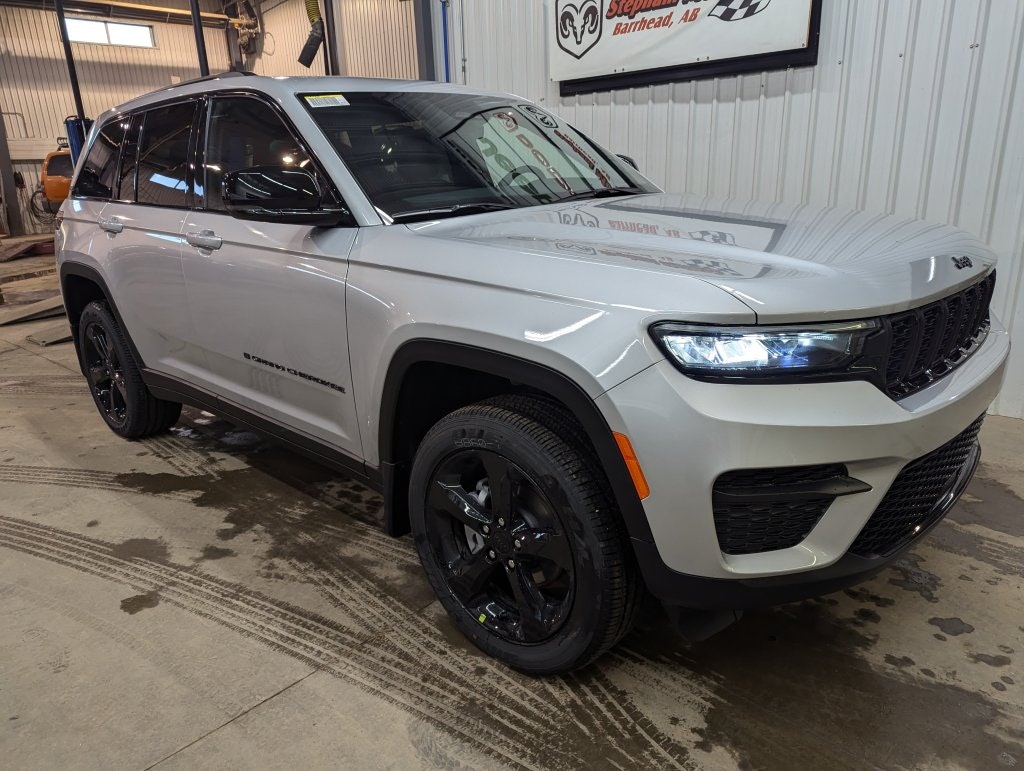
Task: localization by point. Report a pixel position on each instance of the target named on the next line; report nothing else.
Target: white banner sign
(594, 38)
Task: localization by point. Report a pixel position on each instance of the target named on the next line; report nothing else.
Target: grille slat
(931, 341)
(908, 506)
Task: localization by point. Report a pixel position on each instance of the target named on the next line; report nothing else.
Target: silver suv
(575, 390)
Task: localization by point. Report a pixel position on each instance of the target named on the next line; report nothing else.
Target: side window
(163, 155)
(124, 189)
(241, 133)
(96, 180)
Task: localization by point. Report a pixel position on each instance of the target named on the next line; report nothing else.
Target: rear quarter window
(96, 179)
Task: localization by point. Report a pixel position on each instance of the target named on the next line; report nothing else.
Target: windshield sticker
(542, 117)
(326, 100)
(508, 120)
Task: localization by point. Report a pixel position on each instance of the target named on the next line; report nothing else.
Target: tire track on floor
(181, 456)
(391, 665)
(603, 708)
(318, 641)
(74, 385)
(143, 647)
(516, 709)
(355, 533)
(65, 477)
(593, 715)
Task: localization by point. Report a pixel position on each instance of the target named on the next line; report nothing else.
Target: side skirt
(172, 389)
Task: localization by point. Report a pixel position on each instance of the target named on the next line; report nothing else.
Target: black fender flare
(395, 470)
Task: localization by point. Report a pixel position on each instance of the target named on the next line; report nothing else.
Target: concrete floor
(206, 598)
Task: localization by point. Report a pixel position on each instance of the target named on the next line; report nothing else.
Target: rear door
(142, 225)
(268, 298)
(83, 239)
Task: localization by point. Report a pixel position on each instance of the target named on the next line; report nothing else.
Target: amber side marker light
(637, 473)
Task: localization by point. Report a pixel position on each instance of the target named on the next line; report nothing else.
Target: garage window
(110, 33)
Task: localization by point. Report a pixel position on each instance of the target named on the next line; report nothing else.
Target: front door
(267, 298)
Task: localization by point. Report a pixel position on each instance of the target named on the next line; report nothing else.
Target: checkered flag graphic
(713, 236)
(732, 10)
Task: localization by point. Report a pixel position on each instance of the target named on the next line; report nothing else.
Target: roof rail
(214, 76)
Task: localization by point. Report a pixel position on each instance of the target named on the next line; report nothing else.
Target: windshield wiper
(602, 192)
(449, 211)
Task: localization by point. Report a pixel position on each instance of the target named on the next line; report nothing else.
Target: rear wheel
(121, 397)
(517, 532)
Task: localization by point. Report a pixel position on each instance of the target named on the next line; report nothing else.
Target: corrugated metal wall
(379, 38)
(916, 107)
(35, 95)
(285, 29)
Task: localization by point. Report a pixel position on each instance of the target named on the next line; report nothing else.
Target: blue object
(444, 37)
(77, 129)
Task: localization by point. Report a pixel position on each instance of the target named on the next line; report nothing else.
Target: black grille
(749, 526)
(908, 507)
(930, 341)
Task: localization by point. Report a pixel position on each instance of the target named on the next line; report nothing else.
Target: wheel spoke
(544, 545)
(503, 479)
(99, 343)
(529, 602)
(467, 575)
(122, 391)
(449, 496)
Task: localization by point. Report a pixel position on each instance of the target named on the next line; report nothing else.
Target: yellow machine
(56, 176)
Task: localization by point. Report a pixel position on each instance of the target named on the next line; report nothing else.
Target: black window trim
(130, 115)
(323, 177)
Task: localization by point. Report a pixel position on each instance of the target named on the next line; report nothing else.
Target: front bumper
(687, 433)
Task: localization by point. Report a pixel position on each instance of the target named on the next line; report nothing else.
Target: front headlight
(763, 352)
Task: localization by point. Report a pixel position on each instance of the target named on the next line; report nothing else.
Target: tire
(536, 569)
(121, 397)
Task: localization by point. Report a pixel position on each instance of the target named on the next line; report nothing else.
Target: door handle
(112, 225)
(204, 239)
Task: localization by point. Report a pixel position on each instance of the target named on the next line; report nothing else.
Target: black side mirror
(629, 160)
(277, 194)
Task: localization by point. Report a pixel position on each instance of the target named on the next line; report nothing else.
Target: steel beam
(76, 91)
(423, 21)
(197, 28)
(8, 191)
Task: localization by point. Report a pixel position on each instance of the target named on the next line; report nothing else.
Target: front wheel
(519, 537)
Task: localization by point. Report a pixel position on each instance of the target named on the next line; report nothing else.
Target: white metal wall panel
(916, 107)
(378, 38)
(285, 29)
(35, 94)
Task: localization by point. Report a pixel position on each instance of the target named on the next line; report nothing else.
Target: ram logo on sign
(579, 25)
(595, 39)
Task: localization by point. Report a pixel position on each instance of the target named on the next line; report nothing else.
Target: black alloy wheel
(115, 380)
(105, 374)
(519, 535)
(500, 546)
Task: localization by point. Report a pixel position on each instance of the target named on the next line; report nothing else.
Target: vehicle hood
(787, 263)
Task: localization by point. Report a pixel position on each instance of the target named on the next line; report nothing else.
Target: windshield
(419, 155)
